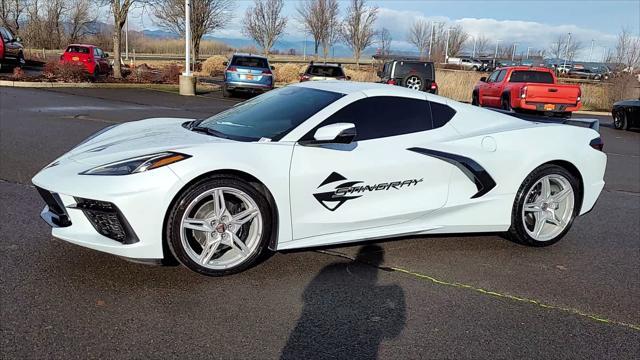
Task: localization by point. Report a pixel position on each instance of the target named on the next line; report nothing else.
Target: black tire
(226, 93)
(620, 120)
(475, 101)
(173, 223)
(505, 102)
(517, 231)
(20, 62)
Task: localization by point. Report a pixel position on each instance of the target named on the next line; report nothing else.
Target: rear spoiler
(588, 123)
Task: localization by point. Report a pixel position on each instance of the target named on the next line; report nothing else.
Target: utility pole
(304, 48)
(187, 81)
(513, 52)
(495, 56)
(566, 53)
(528, 49)
(431, 40)
(591, 50)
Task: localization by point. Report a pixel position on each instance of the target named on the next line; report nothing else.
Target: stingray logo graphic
(347, 190)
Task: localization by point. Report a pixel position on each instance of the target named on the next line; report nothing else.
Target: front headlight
(137, 164)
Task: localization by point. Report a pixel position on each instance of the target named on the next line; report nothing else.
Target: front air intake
(107, 219)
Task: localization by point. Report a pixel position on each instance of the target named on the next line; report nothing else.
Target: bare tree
(627, 51)
(357, 28)
(385, 41)
(120, 11)
(559, 48)
(320, 20)
(457, 37)
(482, 45)
(206, 17)
(264, 22)
(419, 35)
(10, 14)
(81, 16)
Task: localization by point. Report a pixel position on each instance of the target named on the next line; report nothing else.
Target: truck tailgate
(552, 93)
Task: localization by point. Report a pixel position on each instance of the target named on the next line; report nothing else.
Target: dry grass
(457, 85)
(214, 65)
(288, 73)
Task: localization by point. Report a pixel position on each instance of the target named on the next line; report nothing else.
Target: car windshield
(327, 71)
(271, 115)
(530, 76)
(249, 61)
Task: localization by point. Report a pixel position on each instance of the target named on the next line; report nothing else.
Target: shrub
(72, 72)
(50, 69)
(18, 73)
(214, 65)
(169, 74)
(289, 72)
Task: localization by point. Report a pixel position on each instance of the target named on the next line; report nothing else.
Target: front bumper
(132, 228)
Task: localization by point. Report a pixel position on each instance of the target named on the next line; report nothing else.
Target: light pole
(513, 52)
(446, 49)
(495, 56)
(566, 53)
(187, 81)
(591, 50)
(431, 39)
(473, 54)
(528, 49)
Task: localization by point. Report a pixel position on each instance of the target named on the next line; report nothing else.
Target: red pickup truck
(524, 88)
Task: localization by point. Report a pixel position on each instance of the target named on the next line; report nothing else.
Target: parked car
(247, 73)
(412, 74)
(487, 65)
(523, 88)
(626, 114)
(466, 63)
(11, 50)
(315, 164)
(586, 73)
(94, 60)
(563, 69)
(323, 71)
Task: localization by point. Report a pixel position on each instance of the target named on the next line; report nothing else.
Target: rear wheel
(414, 82)
(226, 93)
(620, 120)
(505, 103)
(545, 206)
(219, 226)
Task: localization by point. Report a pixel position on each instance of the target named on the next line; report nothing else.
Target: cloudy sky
(529, 23)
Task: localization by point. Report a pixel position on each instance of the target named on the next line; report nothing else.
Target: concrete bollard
(187, 85)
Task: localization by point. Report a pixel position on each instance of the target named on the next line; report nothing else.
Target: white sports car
(315, 164)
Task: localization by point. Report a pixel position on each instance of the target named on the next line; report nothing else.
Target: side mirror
(225, 63)
(483, 79)
(272, 67)
(339, 133)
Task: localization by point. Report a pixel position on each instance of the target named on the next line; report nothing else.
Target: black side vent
(107, 219)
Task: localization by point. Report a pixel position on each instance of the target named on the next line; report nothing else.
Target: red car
(524, 88)
(90, 56)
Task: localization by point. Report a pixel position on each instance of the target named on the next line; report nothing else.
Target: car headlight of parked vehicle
(137, 164)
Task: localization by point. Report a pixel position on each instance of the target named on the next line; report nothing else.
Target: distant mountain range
(339, 50)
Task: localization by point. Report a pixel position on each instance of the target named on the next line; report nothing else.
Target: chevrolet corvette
(318, 164)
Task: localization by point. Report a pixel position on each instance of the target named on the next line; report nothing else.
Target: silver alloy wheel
(414, 83)
(221, 228)
(548, 207)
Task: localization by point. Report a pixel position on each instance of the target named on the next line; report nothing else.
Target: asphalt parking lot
(431, 297)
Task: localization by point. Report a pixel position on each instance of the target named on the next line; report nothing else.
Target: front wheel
(545, 206)
(475, 101)
(219, 226)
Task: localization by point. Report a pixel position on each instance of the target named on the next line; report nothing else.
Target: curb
(34, 84)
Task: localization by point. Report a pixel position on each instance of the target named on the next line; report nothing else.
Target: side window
(382, 116)
(441, 114)
(493, 76)
(5, 34)
(501, 75)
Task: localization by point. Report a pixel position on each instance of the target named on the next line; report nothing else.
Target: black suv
(11, 50)
(412, 74)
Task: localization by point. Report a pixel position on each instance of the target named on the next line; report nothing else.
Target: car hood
(139, 138)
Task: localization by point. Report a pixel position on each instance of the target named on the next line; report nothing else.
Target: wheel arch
(250, 179)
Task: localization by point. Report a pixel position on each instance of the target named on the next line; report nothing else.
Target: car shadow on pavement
(346, 314)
